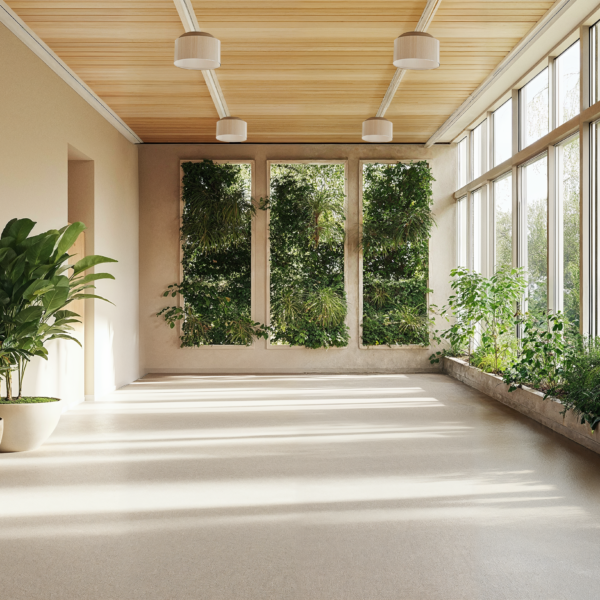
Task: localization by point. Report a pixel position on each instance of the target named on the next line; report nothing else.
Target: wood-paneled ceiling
(295, 70)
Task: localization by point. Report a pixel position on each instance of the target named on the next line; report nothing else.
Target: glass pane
(594, 51)
(568, 178)
(478, 150)
(461, 207)
(503, 222)
(534, 107)
(535, 199)
(476, 200)
(567, 82)
(502, 120)
(462, 163)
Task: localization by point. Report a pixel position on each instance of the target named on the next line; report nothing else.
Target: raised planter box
(527, 401)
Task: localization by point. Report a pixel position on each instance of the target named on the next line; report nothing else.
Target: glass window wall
(503, 222)
(568, 205)
(462, 231)
(462, 162)
(533, 98)
(502, 124)
(567, 84)
(534, 199)
(476, 200)
(478, 137)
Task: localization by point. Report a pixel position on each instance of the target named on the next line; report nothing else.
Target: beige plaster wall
(159, 167)
(40, 118)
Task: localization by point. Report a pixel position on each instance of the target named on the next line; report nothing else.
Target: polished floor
(404, 487)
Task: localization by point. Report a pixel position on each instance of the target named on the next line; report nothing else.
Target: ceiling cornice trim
(18, 27)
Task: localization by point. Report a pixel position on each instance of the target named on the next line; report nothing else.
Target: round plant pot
(28, 426)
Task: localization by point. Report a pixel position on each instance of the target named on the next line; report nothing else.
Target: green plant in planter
(397, 222)
(548, 343)
(36, 287)
(215, 291)
(482, 315)
(307, 218)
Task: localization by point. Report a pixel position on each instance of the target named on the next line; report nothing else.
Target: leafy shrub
(397, 222)
(308, 301)
(216, 244)
(579, 389)
(546, 342)
(482, 311)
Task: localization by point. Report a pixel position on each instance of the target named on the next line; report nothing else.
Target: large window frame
(586, 124)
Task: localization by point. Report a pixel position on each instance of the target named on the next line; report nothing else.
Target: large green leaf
(69, 237)
(18, 229)
(31, 313)
(91, 277)
(37, 288)
(40, 247)
(55, 299)
(82, 296)
(90, 261)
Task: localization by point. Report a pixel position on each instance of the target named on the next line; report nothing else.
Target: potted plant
(37, 284)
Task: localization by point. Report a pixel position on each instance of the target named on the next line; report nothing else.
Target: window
(567, 84)
(502, 124)
(534, 199)
(462, 163)
(503, 222)
(476, 199)
(534, 109)
(568, 210)
(462, 231)
(478, 137)
(591, 228)
(595, 62)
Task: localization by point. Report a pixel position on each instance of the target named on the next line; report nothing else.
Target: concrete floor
(405, 487)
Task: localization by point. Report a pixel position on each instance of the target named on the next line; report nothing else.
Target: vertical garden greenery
(216, 243)
(397, 221)
(308, 301)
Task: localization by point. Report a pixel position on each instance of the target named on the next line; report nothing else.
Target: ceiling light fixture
(377, 129)
(416, 50)
(197, 50)
(232, 129)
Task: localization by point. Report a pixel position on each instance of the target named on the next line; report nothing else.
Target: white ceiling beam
(17, 26)
(423, 24)
(190, 23)
(454, 124)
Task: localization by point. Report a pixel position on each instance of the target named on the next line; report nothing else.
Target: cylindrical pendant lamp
(416, 50)
(377, 129)
(197, 50)
(232, 129)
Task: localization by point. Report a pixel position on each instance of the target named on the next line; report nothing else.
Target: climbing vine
(307, 231)
(397, 221)
(216, 243)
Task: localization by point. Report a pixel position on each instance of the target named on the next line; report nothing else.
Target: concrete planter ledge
(527, 401)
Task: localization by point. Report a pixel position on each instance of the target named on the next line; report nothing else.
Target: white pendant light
(416, 50)
(232, 129)
(197, 50)
(377, 129)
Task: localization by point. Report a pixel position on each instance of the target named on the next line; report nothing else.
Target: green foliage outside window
(216, 244)
(397, 221)
(307, 218)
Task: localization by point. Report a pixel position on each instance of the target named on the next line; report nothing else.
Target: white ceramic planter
(28, 426)
(527, 401)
